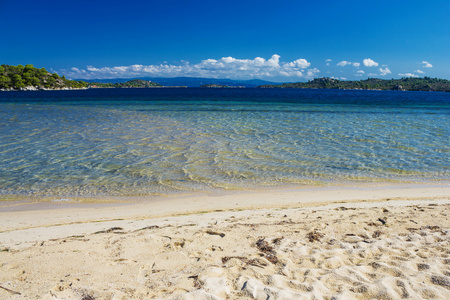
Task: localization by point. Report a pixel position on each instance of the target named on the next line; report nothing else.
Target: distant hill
(190, 81)
(30, 78)
(404, 84)
(134, 83)
(210, 86)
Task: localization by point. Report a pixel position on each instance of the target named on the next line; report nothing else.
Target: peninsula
(405, 84)
(29, 78)
(134, 83)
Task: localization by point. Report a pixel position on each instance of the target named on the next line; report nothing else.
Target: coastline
(18, 215)
(241, 245)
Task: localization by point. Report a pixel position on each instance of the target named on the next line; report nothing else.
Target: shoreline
(353, 242)
(42, 215)
(11, 202)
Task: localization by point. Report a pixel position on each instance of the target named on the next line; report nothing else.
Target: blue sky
(280, 40)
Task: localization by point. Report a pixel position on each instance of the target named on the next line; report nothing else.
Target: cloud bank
(226, 67)
(258, 67)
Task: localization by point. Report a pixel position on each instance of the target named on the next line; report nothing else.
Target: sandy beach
(355, 242)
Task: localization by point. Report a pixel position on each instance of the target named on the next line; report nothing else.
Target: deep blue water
(151, 141)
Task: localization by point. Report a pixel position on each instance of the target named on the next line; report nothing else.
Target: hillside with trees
(30, 78)
(404, 84)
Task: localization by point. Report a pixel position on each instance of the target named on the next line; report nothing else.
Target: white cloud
(370, 63)
(348, 63)
(273, 61)
(328, 61)
(385, 71)
(299, 63)
(312, 72)
(426, 64)
(419, 71)
(92, 69)
(408, 75)
(344, 63)
(360, 72)
(225, 67)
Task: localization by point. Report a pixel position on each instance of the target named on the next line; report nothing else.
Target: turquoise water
(162, 141)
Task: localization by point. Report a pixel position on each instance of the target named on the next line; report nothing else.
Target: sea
(163, 141)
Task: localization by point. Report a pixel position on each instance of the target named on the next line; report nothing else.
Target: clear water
(152, 141)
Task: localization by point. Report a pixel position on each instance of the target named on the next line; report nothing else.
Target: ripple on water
(128, 150)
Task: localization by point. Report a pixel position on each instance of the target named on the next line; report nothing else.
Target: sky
(282, 41)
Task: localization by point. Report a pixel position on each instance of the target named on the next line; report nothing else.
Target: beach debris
(112, 229)
(264, 246)
(277, 241)
(268, 250)
(215, 248)
(212, 232)
(343, 208)
(179, 244)
(441, 281)
(197, 283)
(383, 221)
(11, 291)
(87, 297)
(376, 234)
(361, 289)
(422, 267)
(432, 228)
(148, 227)
(314, 236)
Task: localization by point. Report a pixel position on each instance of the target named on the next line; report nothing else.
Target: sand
(365, 242)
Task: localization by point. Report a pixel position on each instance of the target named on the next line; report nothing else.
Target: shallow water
(162, 141)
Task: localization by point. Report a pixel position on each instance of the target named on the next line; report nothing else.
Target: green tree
(17, 81)
(51, 82)
(27, 77)
(19, 69)
(42, 72)
(29, 68)
(34, 81)
(5, 82)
